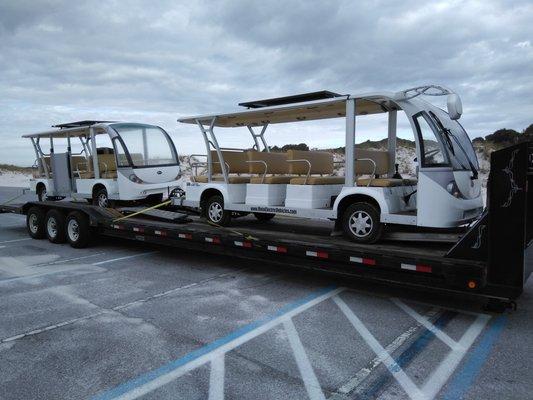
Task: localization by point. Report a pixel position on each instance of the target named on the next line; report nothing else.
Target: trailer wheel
(264, 216)
(78, 230)
(361, 223)
(55, 226)
(215, 213)
(35, 223)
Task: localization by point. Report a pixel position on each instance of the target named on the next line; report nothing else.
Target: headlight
(453, 189)
(135, 178)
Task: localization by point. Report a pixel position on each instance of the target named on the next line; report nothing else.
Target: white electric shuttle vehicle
(446, 193)
(113, 161)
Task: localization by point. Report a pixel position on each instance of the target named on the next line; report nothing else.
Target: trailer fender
(351, 195)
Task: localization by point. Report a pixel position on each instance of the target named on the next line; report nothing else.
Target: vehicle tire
(77, 229)
(55, 226)
(215, 213)
(35, 223)
(101, 198)
(41, 193)
(361, 223)
(264, 217)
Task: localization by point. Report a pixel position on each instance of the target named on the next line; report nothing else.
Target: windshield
(146, 145)
(457, 142)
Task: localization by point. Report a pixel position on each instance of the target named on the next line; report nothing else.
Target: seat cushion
(380, 182)
(109, 175)
(278, 179)
(318, 180)
(232, 179)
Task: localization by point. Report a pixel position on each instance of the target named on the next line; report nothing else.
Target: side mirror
(455, 106)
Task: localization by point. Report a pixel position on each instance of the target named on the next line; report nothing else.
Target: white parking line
(216, 378)
(117, 308)
(26, 277)
(311, 383)
(15, 240)
(139, 387)
(398, 373)
(452, 344)
(124, 258)
(365, 372)
(443, 372)
(68, 260)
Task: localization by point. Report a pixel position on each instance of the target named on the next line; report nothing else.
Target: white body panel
(265, 195)
(84, 187)
(434, 199)
(311, 196)
(118, 189)
(158, 175)
(128, 190)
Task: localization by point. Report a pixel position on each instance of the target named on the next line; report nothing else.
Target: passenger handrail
(266, 168)
(373, 172)
(308, 170)
(196, 163)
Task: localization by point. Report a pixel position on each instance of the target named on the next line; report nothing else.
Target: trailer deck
(492, 259)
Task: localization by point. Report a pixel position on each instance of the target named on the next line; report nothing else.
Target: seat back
(363, 167)
(276, 163)
(46, 160)
(235, 160)
(77, 162)
(321, 162)
(106, 162)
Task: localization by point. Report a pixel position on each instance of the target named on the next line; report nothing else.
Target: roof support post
(43, 168)
(94, 153)
(254, 137)
(208, 149)
(393, 116)
(349, 173)
(212, 140)
(219, 152)
(261, 136)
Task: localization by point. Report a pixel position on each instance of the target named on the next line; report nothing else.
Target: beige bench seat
(380, 182)
(270, 180)
(231, 179)
(318, 180)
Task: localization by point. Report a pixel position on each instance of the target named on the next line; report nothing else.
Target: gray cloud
(155, 61)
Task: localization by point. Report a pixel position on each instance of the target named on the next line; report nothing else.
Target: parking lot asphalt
(127, 320)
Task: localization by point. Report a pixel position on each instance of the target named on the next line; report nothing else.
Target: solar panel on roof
(78, 124)
(297, 98)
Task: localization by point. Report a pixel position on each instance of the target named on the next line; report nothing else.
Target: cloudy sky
(155, 61)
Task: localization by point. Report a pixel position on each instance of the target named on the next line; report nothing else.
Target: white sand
(16, 179)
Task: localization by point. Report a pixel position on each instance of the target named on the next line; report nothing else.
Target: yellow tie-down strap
(143, 211)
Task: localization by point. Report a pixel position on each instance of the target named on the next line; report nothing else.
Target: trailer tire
(78, 230)
(215, 212)
(361, 223)
(264, 217)
(55, 226)
(35, 223)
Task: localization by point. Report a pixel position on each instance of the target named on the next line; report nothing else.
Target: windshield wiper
(447, 133)
(472, 167)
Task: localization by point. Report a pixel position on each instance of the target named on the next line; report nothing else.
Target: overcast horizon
(125, 60)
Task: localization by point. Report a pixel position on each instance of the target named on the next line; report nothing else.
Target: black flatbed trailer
(492, 259)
